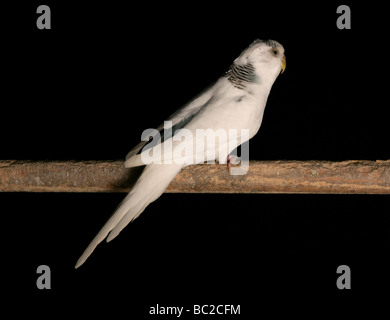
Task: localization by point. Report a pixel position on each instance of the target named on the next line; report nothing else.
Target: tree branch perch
(345, 177)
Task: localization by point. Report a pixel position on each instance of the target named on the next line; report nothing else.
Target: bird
(235, 101)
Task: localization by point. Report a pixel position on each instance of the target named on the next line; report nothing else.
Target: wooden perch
(346, 177)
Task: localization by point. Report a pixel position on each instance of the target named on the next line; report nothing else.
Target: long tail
(151, 184)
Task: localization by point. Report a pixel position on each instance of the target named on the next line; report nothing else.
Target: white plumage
(236, 101)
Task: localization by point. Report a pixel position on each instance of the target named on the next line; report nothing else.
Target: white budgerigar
(236, 101)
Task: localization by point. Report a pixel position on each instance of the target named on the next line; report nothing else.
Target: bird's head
(266, 56)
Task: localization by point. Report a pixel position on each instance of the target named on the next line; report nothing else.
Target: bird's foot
(232, 160)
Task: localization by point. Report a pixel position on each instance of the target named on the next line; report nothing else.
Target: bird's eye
(275, 52)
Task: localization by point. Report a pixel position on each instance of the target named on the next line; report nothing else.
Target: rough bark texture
(346, 177)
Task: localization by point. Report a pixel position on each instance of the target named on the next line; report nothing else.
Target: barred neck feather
(240, 75)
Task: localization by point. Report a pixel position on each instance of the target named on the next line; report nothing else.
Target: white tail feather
(151, 184)
(135, 161)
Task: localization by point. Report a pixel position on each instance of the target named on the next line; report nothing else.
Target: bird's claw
(232, 160)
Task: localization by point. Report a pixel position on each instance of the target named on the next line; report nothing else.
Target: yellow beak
(283, 64)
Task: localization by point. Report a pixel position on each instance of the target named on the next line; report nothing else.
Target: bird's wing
(221, 109)
(179, 119)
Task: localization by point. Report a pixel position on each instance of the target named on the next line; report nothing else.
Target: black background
(87, 88)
